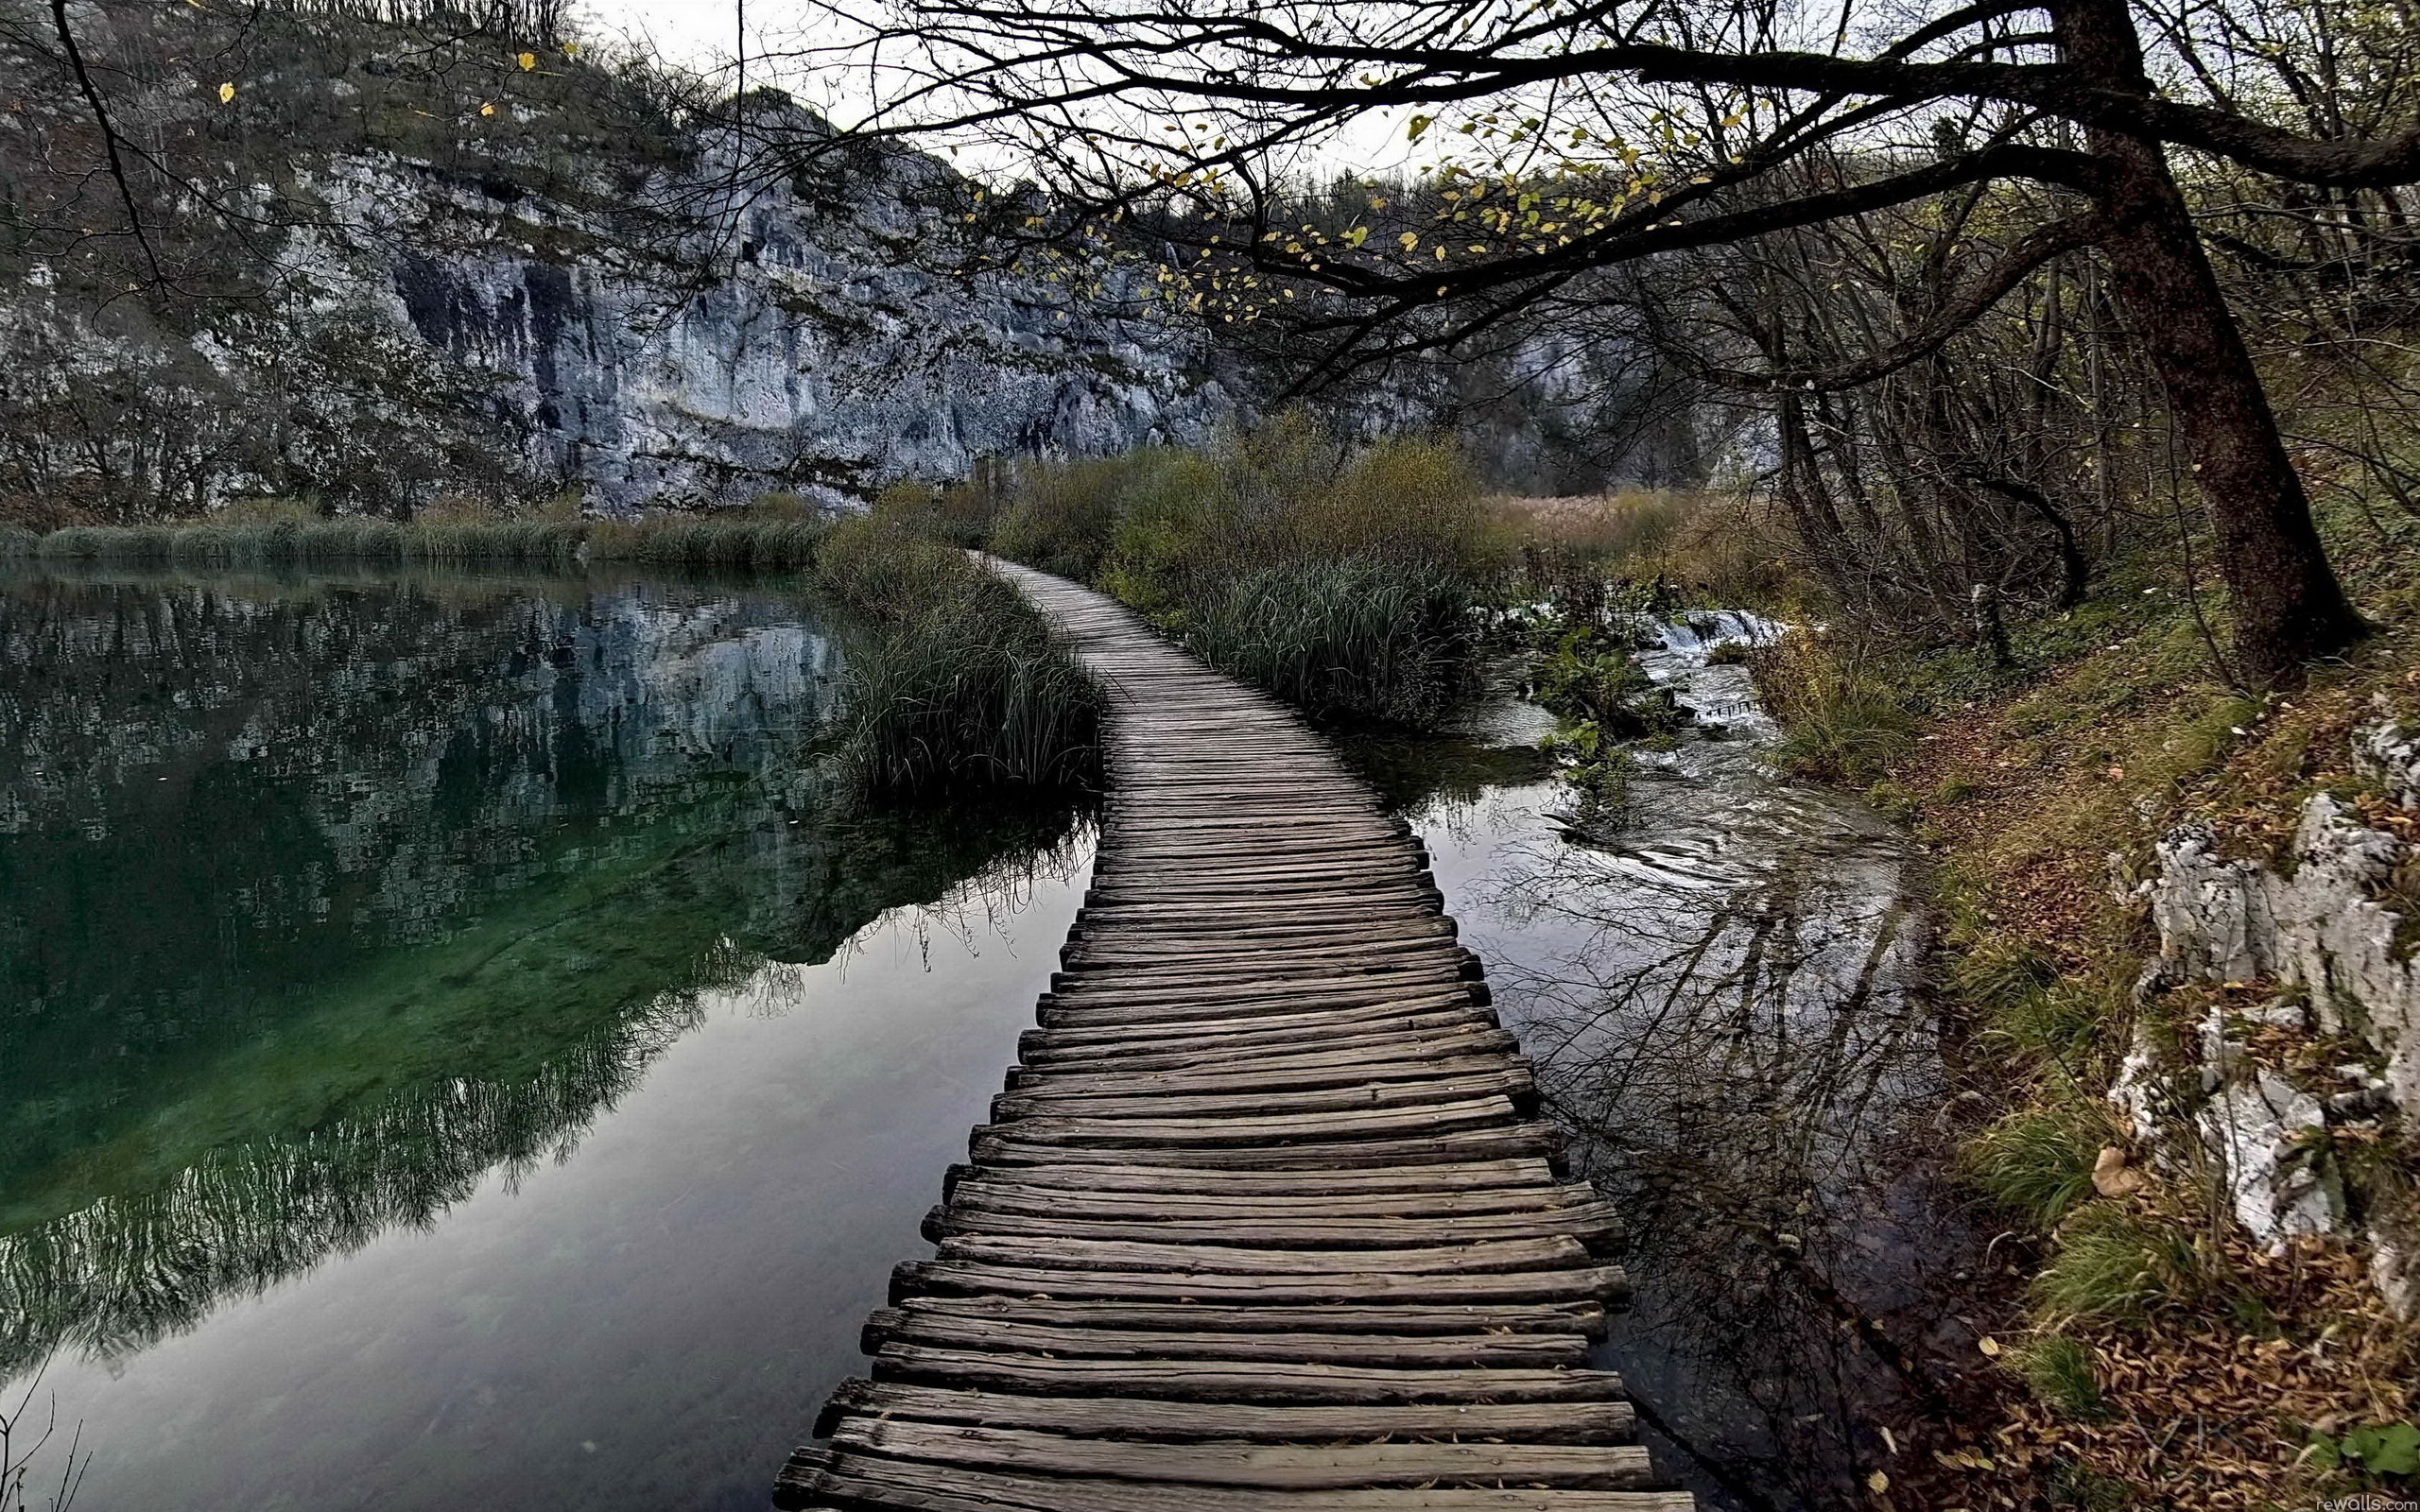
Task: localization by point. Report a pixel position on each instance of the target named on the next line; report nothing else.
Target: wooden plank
(1546, 1253)
(1244, 1463)
(850, 1480)
(1587, 1319)
(1248, 1055)
(1605, 1285)
(1594, 1225)
(1460, 1176)
(1424, 1121)
(1259, 1381)
(1162, 1421)
(1419, 1087)
(943, 1331)
(1004, 1194)
(1011, 1146)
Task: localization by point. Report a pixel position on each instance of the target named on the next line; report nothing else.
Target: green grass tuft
(2058, 1370)
(2116, 1265)
(2035, 1162)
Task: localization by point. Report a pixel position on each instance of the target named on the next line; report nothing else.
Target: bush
(1342, 582)
(1838, 704)
(952, 680)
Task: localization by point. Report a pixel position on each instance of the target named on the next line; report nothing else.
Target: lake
(457, 1045)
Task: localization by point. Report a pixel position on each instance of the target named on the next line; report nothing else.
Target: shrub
(1838, 704)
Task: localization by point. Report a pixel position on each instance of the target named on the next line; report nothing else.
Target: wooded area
(1992, 267)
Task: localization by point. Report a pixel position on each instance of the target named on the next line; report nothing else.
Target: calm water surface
(457, 1047)
(458, 1050)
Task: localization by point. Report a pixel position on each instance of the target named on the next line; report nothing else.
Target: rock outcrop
(2322, 930)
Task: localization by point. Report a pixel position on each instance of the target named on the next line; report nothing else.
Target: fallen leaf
(1880, 1482)
(226, 93)
(1989, 1346)
(2113, 1177)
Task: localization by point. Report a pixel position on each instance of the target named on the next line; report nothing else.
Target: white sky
(704, 35)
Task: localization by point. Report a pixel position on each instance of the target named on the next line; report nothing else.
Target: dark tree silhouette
(1613, 131)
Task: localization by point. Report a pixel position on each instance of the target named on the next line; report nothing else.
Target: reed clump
(1344, 579)
(445, 539)
(952, 680)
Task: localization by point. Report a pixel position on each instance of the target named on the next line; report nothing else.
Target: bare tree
(1615, 132)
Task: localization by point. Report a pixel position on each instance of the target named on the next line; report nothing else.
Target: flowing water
(457, 1049)
(1718, 989)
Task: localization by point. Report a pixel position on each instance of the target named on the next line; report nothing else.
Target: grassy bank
(2160, 1357)
(1346, 581)
(667, 540)
(953, 680)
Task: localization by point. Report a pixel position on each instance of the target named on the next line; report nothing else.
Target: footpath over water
(1263, 1220)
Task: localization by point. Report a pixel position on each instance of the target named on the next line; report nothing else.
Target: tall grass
(1838, 703)
(1344, 581)
(671, 541)
(1363, 638)
(953, 680)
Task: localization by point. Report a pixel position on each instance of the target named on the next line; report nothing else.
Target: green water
(458, 1046)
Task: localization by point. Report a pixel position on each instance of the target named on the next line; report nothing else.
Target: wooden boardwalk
(1262, 1220)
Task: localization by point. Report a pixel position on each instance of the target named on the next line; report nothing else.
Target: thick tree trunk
(2288, 607)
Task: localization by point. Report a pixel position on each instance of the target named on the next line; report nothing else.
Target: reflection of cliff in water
(1719, 996)
(317, 903)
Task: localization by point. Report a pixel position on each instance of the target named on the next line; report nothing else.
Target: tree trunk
(2288, 607)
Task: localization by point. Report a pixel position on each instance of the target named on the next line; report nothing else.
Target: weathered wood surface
(1260, 1221)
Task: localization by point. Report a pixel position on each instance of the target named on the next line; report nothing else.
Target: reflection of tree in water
(317, 908)
(1719, 1005)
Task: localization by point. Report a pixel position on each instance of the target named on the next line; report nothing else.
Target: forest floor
(2198, 1369)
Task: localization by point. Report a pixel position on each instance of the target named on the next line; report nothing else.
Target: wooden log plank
(1585, 1319)
(1426, 1120)
(1287, 1467)
(1248, 1056)
(1419, 1087)
(850, 1480)
(1553, 1253)
(1593, 1224)
(998, 1194)
(1009, 1145)
(1063, 1341)
(1159, 1181)
(1162, 1421)
(1360, 1013)
(1295, 1073)
(1605, 1285)
(1262, 1381)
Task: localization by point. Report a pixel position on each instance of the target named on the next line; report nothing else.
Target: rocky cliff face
(389, 268)
(2287, 1132)
(781, 340)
